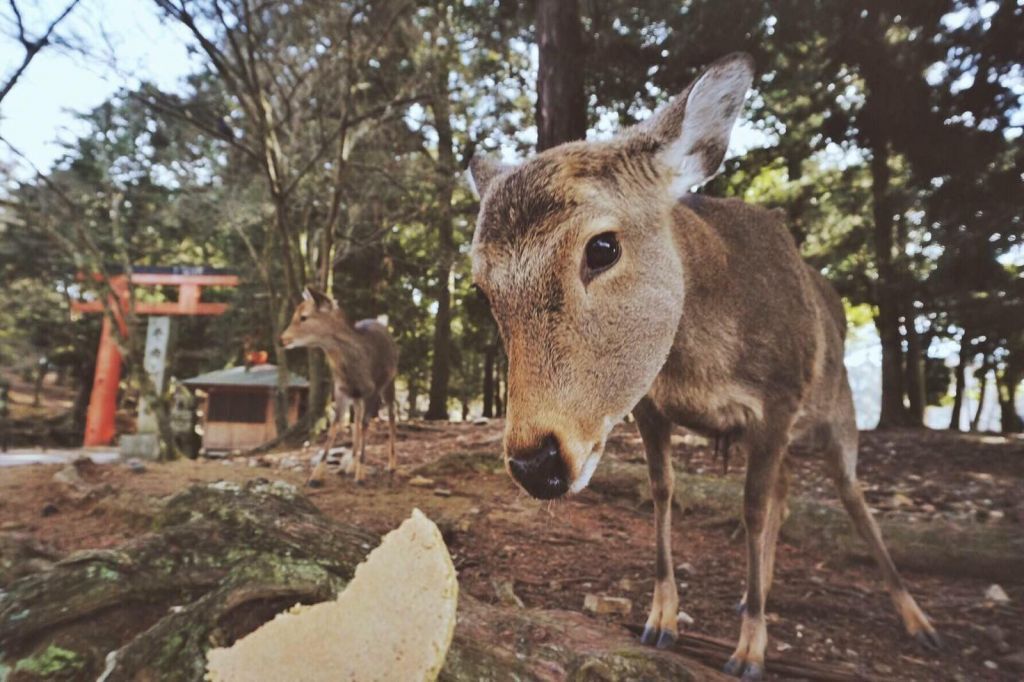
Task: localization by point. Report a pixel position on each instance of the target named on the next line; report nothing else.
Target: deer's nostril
(541, 471)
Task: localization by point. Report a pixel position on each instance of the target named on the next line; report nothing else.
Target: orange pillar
(99, 421)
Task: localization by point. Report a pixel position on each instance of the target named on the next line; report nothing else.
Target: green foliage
(323, 142)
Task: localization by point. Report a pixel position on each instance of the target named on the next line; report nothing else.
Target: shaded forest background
(324, 143)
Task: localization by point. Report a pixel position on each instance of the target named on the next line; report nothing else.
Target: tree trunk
(1006, 384)
(914, 379)
(976, 422)
(225, 558)
(894, 413)
(500, 385)
(490, 352)
(961, 381)
(561, 107)
(440, 370)
(414, 395)
(37, 391)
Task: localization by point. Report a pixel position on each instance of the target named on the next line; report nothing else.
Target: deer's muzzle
(541, 471)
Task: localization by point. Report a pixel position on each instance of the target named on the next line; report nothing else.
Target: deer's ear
(483, 170)
(694, 128)
(319, 298)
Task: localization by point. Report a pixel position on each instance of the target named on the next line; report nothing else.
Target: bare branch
(32, 47)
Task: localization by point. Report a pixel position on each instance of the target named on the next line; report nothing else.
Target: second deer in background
(364, 361)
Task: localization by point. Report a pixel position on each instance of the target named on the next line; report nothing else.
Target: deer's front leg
(662, 627)
(316, 478)
(763, 506)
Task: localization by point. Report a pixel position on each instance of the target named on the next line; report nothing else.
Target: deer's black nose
(540, 470)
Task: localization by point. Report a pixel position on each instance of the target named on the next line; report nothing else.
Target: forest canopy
(324, 143)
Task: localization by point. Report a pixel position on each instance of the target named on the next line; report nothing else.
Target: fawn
(616, 289)
(364, 361)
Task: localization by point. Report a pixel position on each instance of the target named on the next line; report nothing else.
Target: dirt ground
(508, 546)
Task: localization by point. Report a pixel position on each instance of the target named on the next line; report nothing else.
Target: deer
(363, 358)
(616, 289)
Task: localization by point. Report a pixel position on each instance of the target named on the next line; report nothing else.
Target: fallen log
(224, 558)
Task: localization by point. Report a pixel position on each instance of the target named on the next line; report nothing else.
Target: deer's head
(576, 254)
(313, 320)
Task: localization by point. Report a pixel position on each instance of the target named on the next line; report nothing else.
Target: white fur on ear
(482, 171)
(695, 127)
(307, 295)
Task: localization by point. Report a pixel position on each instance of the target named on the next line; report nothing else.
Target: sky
(39, 112)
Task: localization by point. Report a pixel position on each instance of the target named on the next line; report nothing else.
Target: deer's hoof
(750, 672)
(930, 640)
(666, 639)
(753, 673)
(314, 483)
(656, 637)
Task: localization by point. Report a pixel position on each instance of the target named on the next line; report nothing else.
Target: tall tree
(561, 107)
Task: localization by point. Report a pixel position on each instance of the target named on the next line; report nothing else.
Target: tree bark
(983, 386)
(1007, 387)
(894, 413)
(914, 369)
(490, 353)
(961, 380)
(561, 106)
(440, 369)
(223, 559)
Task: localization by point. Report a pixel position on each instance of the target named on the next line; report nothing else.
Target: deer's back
(380, 350)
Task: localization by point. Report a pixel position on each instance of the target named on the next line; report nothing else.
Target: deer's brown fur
(364, 361)
(709, 319)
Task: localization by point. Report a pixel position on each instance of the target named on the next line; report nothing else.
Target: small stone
(991, 665)
(442, 492)
(625, 584)
(421, 482)
(996, 515)
(685, 619)
(882, 668)
(997, 594)
(597, 603)
(347, 463)
(506, 593)
(49, 509)
(685, 567)
(12, 525)
(135, 465)
(998, 637)
(900, 500)
(782, 646)
(1014, 661)
(928, 508)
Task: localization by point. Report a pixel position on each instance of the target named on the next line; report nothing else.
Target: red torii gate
(99, 423)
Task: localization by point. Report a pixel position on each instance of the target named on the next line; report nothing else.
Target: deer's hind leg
(841, 458)
(359, 439)
(389, 396)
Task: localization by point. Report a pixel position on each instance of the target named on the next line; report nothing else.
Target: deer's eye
(602, 252)
(303, 318)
